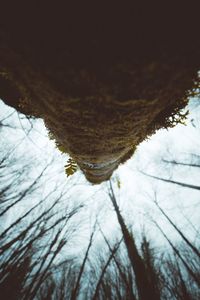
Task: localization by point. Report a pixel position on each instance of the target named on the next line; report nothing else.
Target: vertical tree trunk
(146, 290)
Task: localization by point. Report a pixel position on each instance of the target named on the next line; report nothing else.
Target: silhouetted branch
(190, 186)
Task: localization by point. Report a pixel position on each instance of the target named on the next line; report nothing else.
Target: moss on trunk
(102, 81)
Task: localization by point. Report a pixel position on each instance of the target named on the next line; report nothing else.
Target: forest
(62, 238)
(99, 151)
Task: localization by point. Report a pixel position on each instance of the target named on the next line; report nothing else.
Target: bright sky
(137, 192)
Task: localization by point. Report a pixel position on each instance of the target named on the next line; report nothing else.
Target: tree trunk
(144, 285)
(103, 78)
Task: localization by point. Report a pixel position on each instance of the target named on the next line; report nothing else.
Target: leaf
(71, 167)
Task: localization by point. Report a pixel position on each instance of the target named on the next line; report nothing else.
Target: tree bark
(102, 77)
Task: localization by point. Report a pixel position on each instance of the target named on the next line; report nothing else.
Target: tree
(145, 281)
(32, 239)
(34, 245)
(106, 87)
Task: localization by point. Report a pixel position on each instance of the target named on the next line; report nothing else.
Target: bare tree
(32, 242)
(145, 285)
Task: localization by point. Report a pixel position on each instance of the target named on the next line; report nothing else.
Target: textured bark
(103, 78)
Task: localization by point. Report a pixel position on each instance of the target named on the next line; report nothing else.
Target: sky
(137, 191)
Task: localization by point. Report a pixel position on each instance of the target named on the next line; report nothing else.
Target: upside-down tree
(102, 76)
